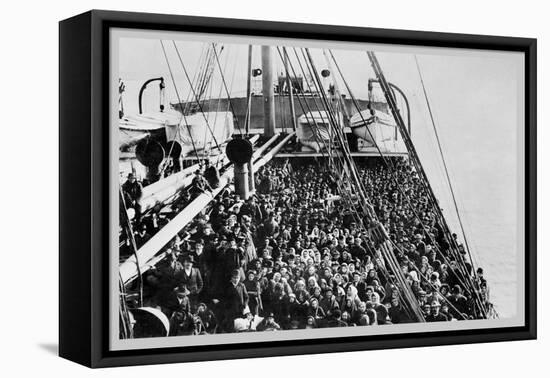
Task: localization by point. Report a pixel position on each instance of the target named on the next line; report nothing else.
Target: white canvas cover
(376, 128)
(194, 128)
(313, 129)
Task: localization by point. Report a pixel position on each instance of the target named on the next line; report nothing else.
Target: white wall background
(29, 185)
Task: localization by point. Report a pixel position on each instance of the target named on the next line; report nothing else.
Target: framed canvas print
(235, 188)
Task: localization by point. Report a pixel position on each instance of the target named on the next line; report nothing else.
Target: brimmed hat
(189, 258)
(235, 273)
(182, 289)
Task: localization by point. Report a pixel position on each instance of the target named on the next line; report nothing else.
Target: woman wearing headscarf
(434, 282)
(372, 316)
(275, 280)
(317, 293)
(310, 323)
(311, 271)
(316, 311)
(378, 288)
(311, 285)
(351, 299)
(371, 276)
(359, 316)
(323, 284)
(304, 255)
(415, 286)
(381, 310)
(302, 295)
(337, 280)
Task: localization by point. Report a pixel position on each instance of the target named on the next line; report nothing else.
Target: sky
(475, 103)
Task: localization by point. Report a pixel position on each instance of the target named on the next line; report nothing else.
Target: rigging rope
(389, 164)
(195, 95)
(443, 158)
(309, 114)
(315, 128)
(179, 100)
(316, 90)
(196, 76)
(127, 225)
(346, 192)
(124, 313)
(424, 179)
(384, 244)
(227, 91)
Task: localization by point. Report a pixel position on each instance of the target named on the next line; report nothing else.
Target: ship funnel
(239, 152)
(268, 95)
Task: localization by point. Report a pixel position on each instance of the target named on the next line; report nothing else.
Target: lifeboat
(374, 128)
(204, 130)
(314, 129)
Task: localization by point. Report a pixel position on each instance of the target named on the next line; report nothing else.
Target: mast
(248, 89)
(267, 88)
(290, 94)
(251, 182)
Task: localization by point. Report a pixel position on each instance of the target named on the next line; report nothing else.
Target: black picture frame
(84, 161)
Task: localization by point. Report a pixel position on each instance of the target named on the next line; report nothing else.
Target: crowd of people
(295, 256)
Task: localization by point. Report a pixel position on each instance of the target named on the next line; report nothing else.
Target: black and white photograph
(279, 189)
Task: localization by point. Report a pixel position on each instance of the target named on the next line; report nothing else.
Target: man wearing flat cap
(435, 314)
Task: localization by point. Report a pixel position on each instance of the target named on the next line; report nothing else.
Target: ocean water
(475, 106)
